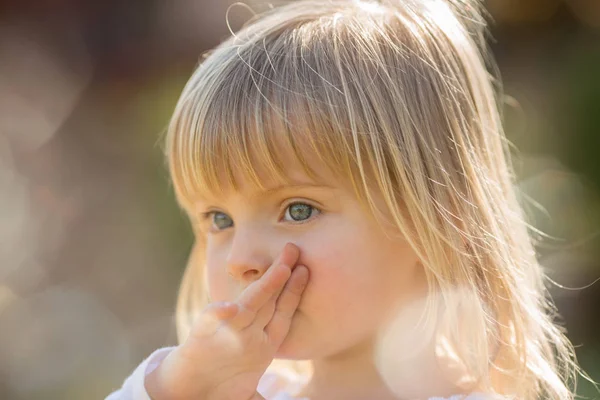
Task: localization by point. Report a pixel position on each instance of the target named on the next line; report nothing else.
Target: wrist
(162, 382)
(153, 386)
(154, 375)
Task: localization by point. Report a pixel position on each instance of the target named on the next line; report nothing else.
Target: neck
(351, 375)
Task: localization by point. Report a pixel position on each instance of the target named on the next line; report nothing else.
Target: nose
(249, 257)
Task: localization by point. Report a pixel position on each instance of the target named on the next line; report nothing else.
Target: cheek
(340, 271)
(350, 272)
(217, 280)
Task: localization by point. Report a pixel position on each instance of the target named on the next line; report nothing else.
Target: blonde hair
(395, 99)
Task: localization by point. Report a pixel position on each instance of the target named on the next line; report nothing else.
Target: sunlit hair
(397, 99)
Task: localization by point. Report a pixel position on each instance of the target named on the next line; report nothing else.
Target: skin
(232, 343)
(358, 275)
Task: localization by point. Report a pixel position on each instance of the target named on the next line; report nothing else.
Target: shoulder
(472, 396)
(133, 387)
(283, 384)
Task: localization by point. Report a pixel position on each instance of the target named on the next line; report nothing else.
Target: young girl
(358, 235)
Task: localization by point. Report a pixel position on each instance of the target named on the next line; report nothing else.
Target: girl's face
(357, 274)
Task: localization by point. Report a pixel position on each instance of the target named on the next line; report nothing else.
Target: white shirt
(269, 385)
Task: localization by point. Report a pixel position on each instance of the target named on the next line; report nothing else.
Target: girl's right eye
(219, 220)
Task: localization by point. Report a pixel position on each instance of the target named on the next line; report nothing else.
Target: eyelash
(207, 216)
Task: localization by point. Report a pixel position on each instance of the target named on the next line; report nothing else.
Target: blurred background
(92, 245)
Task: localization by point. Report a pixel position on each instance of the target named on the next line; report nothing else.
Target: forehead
(240, 138)
(260, 177)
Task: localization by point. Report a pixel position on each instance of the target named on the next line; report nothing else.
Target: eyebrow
(272, 190)
(296, 186)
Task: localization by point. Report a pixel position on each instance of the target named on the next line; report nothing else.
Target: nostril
(252, 274)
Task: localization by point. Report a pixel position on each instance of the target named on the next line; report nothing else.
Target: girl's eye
(300, 212)
(220, 220)
(295, 212)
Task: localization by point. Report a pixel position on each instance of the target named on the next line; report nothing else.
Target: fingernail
(288, 248)
(306, 274)
(302, 266)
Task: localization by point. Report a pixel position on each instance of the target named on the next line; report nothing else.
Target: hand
(232, 343)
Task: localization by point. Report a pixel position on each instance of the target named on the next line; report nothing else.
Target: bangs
(237, 122)
(360, 97)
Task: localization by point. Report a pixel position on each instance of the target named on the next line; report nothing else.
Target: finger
(265, 314)
(247, 314)
(213, 316)
(258, 293)
(287, 304)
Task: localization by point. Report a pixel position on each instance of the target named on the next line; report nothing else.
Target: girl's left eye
(300, 212)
